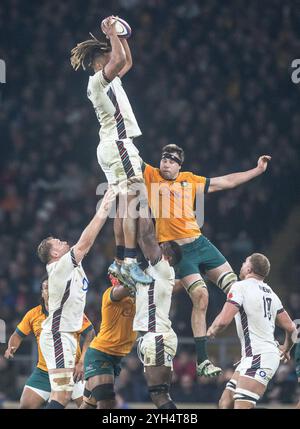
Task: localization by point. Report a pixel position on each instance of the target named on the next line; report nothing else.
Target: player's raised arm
(118, 57)
(233, 180)
(128, 63)
(90, 233)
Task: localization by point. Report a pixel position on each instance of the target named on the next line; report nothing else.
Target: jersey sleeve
(99, 81)
(235, 295)
(148, 172)
(203, 181)
(86, 325)
(278, 305)
(24, 328)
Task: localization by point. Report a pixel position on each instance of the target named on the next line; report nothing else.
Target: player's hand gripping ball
(123, 29)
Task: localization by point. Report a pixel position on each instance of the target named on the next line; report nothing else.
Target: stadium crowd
(211, 77)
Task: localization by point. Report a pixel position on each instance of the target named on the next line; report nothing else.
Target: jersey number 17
(267, 307)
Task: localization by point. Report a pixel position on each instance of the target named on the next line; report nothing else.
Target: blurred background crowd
(213, 77)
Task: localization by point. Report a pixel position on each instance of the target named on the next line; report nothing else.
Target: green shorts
(297, 360)
(39, 379)
(199, 256)
(98, 363)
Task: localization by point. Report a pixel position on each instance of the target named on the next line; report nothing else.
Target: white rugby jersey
(112, 108)
(67, 288)
(153, 301)
(258, 307)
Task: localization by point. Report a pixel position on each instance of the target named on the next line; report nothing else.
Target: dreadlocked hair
(84, 53)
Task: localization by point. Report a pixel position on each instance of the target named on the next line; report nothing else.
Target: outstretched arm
(223, 319)
(90, 233)
(233, 180)
(128, 55)
(13, 344)
(118, 57)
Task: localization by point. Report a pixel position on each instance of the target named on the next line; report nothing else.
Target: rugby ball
(123, 29)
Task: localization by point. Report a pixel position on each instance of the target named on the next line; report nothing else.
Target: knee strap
(197, 283)
(231, 385)
(104, 392)
(226, 280)
(88, 398)
(245, 395)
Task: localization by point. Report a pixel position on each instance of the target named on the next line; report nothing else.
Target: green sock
(201, 349)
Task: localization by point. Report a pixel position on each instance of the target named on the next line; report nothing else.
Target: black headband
(170, 156)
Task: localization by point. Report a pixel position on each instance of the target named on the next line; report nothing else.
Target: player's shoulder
(185, 175)
(239, 287)
(106, 298)
(240, 284)
(34, 312)
(189, 177)
(149, 169)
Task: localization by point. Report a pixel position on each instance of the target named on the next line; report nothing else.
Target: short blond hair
(44, 249)
(260, 264)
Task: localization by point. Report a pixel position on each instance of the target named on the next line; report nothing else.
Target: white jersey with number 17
(258, 308)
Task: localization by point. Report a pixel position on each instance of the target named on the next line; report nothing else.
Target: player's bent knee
(226, 280)
(226, 401)
(246, 396)
(104, 392)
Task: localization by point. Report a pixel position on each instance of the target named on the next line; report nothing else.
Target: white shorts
(77, 391)
(119, 160)
(260, 367)
(157, 349)
(58, 349)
